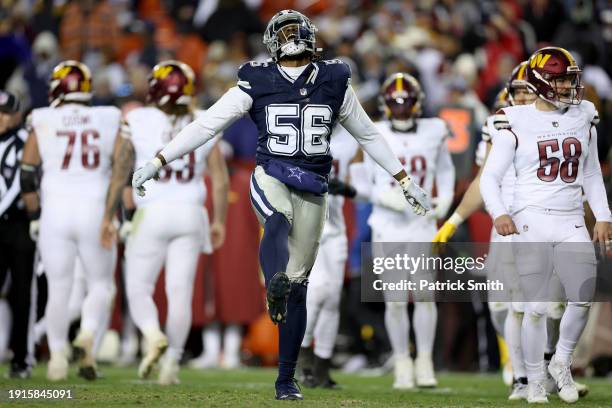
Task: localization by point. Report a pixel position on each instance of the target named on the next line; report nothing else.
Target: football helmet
(70, 82)
(289, 33)
(517, 88)
(401, 100)
(553, 75)
(171, 83)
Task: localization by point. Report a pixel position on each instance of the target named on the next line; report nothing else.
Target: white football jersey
(150, 130)
(550, 154)
(76, 147)
(507, 186)
(418, 152)
(343, 148)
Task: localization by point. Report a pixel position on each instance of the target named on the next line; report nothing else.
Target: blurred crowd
(461, 51)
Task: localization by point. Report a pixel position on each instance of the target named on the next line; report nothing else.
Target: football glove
(415, 196)
(337, 187)
(392, 199)
(149, 171)
(448, 228)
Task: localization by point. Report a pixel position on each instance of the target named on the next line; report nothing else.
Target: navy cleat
(276, 297)
(288, 390)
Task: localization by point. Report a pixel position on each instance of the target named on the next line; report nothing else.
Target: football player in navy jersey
(295, 100)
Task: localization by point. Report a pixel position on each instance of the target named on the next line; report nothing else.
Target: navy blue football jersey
(295, 119)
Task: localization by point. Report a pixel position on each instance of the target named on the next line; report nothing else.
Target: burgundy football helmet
(171, 83)
(519, 92)
(401, 99)
(553, 75)
(70, 82)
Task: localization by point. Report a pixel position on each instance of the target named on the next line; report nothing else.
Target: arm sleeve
(354, 119)
(498, 162)
(445, 179)
(593, 184)
(231, 106)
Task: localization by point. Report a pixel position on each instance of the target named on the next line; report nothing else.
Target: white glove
(145, 173)
(125, 230)
(34, 227)
(393, 199)
(415, 196)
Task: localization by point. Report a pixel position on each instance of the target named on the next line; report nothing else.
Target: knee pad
(536, 309)
(586, 305)
(518, 307)
(497, 306)
(395, 307)
(555, 310)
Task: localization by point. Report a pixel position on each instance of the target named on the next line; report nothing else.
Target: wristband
(456, 219)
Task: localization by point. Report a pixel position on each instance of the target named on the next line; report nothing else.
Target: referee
(16, 247)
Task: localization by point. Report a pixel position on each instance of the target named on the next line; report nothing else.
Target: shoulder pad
(339, 70)
(486, 136)
(500, 120)
(247, 73)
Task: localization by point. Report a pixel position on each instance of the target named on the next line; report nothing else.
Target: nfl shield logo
(303, 92)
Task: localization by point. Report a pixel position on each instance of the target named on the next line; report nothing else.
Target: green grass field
(253, 388)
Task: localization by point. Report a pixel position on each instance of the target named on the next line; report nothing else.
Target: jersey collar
(308, 76)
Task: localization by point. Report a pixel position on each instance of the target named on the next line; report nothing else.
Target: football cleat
(404, 374)
(57, 369)
(519, 390)
(204, 361)
(168, 373)
(84, 354)
(321, 374)
(536, 393)
(276, 297)
(425, 376)
(20, 372)
(157, 344)
(562, 374)
(582, 389)
(288, 390)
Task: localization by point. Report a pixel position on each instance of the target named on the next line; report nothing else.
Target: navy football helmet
(289, 33)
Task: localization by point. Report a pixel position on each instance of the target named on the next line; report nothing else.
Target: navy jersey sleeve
(340, 71)
(250, 76)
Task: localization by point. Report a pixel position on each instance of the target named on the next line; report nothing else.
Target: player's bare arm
(220, 195)
(123, 163)
(30, 162)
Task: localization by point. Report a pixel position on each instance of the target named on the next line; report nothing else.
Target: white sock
(232, 340)
(326, 332)
(211, 341)
(398, 326)
(552, 330)
(498, 318)
(512, 335)
(534, 342)
(97, 303)
(572, 324)
(425, 318)
(178, 320)
(141, 304)
(56, 311)
(314, 302)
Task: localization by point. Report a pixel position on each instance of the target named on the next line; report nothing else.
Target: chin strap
(403, 125)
